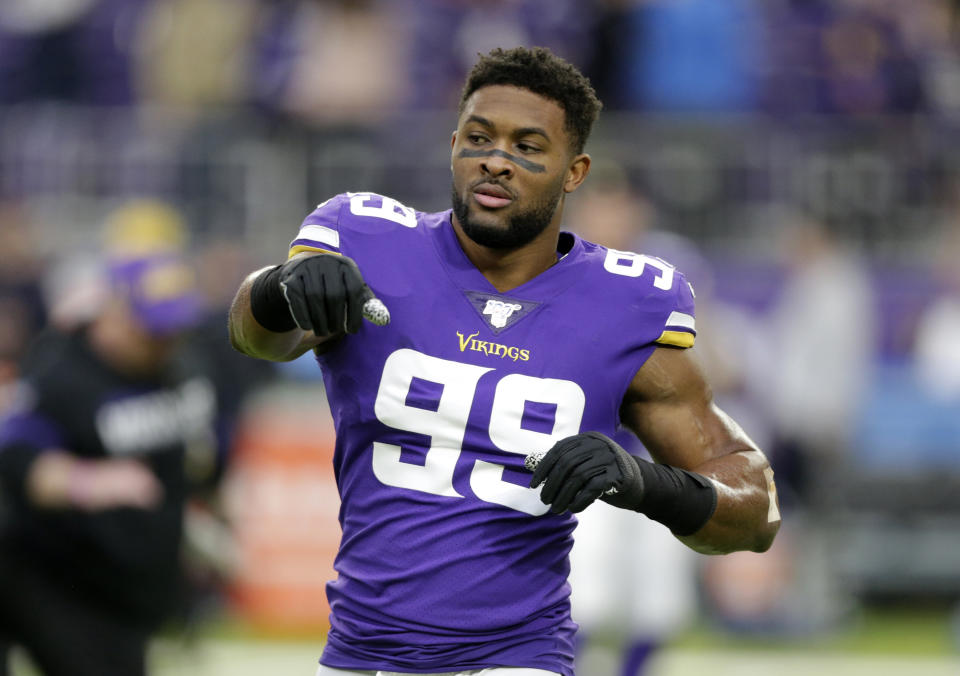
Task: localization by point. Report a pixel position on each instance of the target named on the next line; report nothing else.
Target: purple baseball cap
(162, 292)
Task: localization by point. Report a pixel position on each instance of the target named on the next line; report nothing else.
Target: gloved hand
(325, 293)
(584, 467)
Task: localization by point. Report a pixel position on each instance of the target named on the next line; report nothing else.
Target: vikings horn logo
(500, 312)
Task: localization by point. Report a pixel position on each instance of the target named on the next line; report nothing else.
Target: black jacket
(123, 559)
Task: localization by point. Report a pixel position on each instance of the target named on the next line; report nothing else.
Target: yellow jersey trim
(300, 248)
(676, 338)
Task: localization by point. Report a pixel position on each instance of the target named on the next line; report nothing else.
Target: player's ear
(577, 172)
(453, 143)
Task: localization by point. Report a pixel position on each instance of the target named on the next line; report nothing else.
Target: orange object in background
(282, 501)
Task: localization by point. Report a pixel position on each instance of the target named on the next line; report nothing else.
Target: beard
(522, 227)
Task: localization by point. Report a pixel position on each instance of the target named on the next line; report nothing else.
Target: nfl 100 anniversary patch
(499, 312)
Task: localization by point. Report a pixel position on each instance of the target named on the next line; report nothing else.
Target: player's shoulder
(646, 286)
(635, 274)
(328, 226)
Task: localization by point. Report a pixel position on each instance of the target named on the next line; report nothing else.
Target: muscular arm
(249, 337)
(670, 407)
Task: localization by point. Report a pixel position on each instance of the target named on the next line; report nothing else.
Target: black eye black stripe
(519, 161)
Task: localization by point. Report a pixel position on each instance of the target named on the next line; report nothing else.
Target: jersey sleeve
(320, 231)
(659, 299)
(679, 328)
(350, 216)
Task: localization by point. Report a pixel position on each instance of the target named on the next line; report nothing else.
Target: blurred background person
(822, 345)
(92, 473)
(937, 341)
(193, 55)
(848, 57)
(814, 352)
(149, 228)
(297, 42)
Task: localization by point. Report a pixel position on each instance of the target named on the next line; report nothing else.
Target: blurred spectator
(195, 53)
(844, 58)
(448, 35)
(151, 227)
(67, 50)
(143, 227)
(937, 349)
(332, 61)
(813, 359)
(92, 476)
(822, 347)
(73, 285)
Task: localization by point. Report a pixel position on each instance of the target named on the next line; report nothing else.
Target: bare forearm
(747, 516)
(249, 337)
(59, 480)
(671, 409)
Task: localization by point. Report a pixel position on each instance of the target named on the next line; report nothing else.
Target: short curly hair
(542, 72)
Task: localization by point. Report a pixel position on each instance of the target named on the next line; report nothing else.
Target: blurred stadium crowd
(796, 158)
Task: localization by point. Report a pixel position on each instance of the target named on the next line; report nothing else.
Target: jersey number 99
(446, 424)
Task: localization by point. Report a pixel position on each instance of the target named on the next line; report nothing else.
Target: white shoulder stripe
(682, 320)
(320, 233)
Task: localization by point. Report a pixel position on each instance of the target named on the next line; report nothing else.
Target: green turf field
(892, 642)
(878, 643)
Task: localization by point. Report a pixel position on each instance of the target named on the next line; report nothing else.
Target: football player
(507, 338)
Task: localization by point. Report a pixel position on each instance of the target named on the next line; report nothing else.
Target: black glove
(584, 467)
(323, 293)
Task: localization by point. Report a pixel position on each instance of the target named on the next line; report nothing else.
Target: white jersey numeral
(446, 425)
(506, 432)
(630, 264)
(390, 209)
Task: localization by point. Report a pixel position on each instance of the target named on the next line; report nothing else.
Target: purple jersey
(448, 559)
